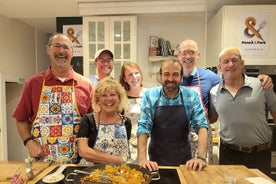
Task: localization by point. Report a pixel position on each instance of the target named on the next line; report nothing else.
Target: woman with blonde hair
(104, 134)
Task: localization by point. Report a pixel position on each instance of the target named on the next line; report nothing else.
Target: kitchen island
(211, 174)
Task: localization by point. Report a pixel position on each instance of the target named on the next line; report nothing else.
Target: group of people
(64, 117)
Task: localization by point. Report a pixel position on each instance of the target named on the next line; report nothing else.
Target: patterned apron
(169, 137)
(112, 139)
(57, 123)
(193, 136)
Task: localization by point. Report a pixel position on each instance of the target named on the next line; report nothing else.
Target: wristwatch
(27, 140)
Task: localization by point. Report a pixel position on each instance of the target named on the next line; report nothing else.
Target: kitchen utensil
(104, 178)
(56, 176)
(29, 170)
(8, 169)
(77, 176)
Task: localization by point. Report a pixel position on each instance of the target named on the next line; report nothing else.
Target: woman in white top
(131, 78)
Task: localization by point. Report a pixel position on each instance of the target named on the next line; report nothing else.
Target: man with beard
(51, 104)
(104, 64)
(167, 113)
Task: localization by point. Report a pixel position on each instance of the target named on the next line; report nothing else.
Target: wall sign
(254, 33)
(72, 27)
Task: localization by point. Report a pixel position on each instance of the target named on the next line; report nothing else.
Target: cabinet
(116, 33)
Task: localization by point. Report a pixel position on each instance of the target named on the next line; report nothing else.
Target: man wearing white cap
(104, 64)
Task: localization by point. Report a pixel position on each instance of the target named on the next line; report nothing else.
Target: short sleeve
(88, 129)
(128, 127)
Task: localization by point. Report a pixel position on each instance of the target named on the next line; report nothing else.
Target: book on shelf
(153, 51)
(160, 47)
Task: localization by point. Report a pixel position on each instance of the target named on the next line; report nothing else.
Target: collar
(49, 75)
(164, 94)
(193, 74)
(247, 83)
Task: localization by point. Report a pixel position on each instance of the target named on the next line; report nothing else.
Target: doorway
(11, 146)
(16, 149)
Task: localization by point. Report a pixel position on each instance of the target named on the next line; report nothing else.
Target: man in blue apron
(51, 104)
(167, 114)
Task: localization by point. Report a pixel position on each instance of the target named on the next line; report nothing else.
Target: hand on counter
(150, 165)
(195, 164)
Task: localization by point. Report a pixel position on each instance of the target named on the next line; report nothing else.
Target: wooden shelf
(160, 58)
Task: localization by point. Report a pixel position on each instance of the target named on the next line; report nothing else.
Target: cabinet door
(117, 33)
(123, 41)
(95, 37)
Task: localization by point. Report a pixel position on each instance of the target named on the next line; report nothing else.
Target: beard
(171, 86)
(61, 61)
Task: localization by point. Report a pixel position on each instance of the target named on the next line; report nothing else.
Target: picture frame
(63, 25)
(154, 42)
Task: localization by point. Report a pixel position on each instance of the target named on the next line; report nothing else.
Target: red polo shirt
(28, 103)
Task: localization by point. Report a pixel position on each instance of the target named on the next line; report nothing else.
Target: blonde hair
(108, 83)
(229, 49)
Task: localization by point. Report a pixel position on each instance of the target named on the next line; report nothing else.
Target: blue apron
(169, 143)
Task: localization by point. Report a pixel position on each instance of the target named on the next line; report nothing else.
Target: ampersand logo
(250, 31)
(71, 34)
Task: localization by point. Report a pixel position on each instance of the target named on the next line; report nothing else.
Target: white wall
(19, 56)
(174, 27)
(42, 59)
(17, 47)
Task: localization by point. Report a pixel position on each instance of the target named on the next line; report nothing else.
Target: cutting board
(215, 174)
(8, 169)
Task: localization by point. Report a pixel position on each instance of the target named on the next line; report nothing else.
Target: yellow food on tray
(122, 174)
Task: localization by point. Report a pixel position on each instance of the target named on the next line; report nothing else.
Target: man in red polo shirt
(51, 104)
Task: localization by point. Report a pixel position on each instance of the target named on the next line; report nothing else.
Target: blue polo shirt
(208, 79)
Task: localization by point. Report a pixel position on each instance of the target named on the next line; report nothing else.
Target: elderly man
(202, 80)
(241, 103)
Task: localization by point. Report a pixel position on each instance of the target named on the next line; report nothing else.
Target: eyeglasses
(107, 60)
(59, 46)
(188, 52)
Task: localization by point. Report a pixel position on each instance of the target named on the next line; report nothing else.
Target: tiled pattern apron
(57, 123)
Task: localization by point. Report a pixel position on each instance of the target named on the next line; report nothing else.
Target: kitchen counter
(211, 173)
(214, 174)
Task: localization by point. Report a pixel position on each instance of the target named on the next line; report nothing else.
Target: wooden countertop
(212, 173)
